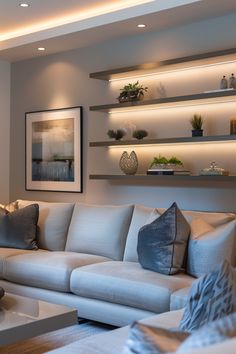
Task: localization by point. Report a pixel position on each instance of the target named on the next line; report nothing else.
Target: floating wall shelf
(182, 140)
(162, 177)
(198, 98)
(205, 59)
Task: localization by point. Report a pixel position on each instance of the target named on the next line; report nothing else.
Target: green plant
(131, 92)
(196, 122)
(116, 134)
(159, 160)
(175, 161)
(140, 134)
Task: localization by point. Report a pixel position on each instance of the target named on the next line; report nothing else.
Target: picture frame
(53, 150)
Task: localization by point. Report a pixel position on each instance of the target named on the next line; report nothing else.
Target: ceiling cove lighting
(24, 4)
(75, 17)
(41, 49)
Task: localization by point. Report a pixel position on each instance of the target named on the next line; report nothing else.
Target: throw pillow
(9, 207)
(152, 340)
(212, 333)
(162, 243)
(210, 298)
(214, 247)
(19, 228)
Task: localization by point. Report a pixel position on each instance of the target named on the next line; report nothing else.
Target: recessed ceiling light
(24, 4)
(41, 49)
(141, 25)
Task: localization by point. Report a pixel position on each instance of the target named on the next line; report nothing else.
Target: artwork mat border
(52, 114)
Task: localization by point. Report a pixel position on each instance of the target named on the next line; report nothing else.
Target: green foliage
(159, 160)
(116, 134)
(140, 134)
(134, 87)
(162, 160)
(174, 160)
(196, 122)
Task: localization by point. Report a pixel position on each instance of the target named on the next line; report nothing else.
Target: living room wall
(5, 130)
(62, 80)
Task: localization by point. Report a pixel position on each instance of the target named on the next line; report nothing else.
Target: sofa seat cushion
(7, 252)
(44, 269)
(127, 283)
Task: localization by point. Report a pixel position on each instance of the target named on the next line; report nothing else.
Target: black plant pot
(197, 132)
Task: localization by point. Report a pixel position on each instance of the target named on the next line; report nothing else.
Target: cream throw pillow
(199, 227)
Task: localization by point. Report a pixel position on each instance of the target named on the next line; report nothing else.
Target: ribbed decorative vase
(129, 163)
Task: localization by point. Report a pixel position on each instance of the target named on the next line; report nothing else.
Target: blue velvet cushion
(162, 244)
(211, 297)
(19, 228)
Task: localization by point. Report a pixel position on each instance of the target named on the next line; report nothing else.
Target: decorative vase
(197, 132)
(129, 163)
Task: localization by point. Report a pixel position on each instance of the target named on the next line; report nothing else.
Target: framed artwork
(54, 150)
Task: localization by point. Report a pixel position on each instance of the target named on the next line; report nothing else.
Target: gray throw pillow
(210, 298)
(152, 340)
(212, 333)
(19, 228)
(162, 244)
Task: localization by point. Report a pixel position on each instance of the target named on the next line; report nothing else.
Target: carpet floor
(56, 339)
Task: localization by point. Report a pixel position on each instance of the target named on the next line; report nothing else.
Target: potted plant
(175, 163)
(132, 92)
(159, 162)
(196, 123)
(140, 134)
(116, 134)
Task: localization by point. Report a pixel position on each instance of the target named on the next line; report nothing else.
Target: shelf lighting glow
(157, 72)
(171, 105)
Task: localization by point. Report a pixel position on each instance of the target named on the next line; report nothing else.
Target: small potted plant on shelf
(197, 123)
(132, 92)
(116, 134)
(159, 162)
(175, 163)
(140, 134)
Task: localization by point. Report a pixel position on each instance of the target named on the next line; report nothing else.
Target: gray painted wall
(62, 80)
(5, 130)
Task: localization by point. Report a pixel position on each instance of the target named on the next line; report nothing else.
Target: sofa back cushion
(54, 220)
(141, 216)
(99, 229)
(209, 249)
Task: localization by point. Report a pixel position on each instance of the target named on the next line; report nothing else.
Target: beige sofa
(88, 260)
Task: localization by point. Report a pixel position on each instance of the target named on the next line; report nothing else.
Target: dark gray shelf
(197, 139)
(171, 64)
(162, 177)
(199, 97)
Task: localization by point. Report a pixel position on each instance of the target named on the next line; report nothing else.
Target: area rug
(56, 339)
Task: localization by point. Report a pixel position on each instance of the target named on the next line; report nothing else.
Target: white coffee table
(22, 318)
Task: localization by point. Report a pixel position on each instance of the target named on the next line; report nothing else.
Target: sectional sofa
(87, 259)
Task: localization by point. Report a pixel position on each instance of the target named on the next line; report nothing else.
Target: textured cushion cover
(127, 283)
(208, 250)
(19, 228)
(54, 219)
(99, 229)
(212, 333)
(210, 298)
(162, 244)
(145, 339)
(141, 216)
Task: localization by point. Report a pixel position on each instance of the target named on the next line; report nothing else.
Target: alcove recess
(193, 86)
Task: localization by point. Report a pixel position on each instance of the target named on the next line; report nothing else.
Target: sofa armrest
(178, 299)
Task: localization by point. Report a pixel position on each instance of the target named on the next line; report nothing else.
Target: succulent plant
(116, 134)
(140, 134)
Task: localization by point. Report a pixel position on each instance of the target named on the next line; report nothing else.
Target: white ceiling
(60, 25)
